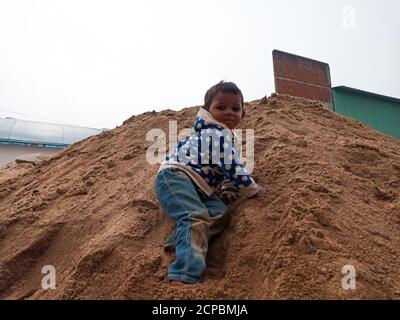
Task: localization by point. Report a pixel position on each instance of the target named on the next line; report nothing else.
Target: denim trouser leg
(217, 224)
(197, 218)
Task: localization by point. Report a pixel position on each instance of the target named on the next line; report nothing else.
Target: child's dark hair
(225, 87)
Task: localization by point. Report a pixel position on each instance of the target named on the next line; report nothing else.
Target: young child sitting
(188, 178)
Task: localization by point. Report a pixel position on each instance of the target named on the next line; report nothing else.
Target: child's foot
(169, 244)
(169, 248)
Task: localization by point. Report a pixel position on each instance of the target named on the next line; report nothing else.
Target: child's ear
(243, 114)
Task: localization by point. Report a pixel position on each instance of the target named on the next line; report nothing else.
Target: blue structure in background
(42, 134)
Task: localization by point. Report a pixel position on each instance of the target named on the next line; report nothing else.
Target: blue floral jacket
(210, 158)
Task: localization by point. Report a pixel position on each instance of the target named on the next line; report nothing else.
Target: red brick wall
(302, 77)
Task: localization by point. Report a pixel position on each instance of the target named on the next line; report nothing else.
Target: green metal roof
(368, 94)
(376, 111)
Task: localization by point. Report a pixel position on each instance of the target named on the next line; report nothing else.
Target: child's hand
(229, 196)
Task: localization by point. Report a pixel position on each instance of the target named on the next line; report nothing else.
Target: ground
(91, 212)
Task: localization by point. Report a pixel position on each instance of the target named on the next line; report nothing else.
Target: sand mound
(91, 212)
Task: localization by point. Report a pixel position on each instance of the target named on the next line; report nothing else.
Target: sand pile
(91, 212)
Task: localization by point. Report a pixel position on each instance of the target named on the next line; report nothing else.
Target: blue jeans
(197, 218)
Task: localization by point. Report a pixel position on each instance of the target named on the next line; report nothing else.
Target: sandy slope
(91, 212)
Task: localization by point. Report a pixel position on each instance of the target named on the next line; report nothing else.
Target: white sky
(95, 63)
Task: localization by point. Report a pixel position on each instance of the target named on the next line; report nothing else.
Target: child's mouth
(230, 123)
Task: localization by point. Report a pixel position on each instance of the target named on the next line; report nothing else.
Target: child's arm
(236, 176)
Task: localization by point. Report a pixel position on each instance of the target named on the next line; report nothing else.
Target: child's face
(227, 108)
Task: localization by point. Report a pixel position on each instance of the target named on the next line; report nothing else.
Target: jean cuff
(183, 278)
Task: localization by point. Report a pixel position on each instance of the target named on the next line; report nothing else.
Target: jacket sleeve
(233, 169)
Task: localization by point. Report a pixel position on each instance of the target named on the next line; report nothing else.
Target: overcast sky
(95, 63)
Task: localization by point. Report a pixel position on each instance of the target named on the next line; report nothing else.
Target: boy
(188, 178)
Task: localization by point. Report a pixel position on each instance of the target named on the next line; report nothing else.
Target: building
(307, 78)
(21, 137)
(379, 112)
(302, 77)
